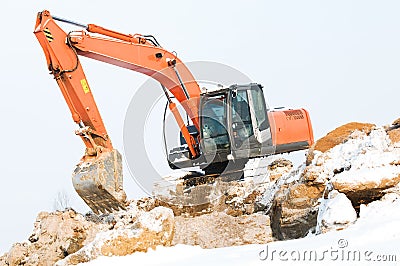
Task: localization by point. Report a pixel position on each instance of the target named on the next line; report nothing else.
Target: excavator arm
(136, 52)
(96, 182)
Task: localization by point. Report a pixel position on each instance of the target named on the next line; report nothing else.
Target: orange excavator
(228, 125)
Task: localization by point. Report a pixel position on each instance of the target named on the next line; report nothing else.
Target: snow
(270, 191)
(153, 220)
(374, 210)
(363, 158)
(336, 212)
(360, 176)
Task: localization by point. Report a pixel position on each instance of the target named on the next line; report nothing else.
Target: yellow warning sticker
(85, 86)
(48, 35)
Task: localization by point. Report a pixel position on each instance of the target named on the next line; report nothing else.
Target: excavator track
(193, 192)
(192, 189)
(192, 179)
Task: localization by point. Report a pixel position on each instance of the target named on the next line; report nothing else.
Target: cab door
(244, 142)
(215, 141)
(260, 119)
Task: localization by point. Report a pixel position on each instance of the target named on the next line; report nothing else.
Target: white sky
(339, 59)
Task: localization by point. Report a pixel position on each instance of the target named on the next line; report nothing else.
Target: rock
(219, 229)
(338, 136)
(138, 231)
(367, 186)
(69, 238)
(362, 167)
(294, 210)
(335, 213)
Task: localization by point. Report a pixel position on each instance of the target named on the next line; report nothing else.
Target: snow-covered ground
(372, 240)
(358, 170)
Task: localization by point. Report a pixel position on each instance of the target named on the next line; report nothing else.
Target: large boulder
(294, 210)
(363, 167)
(338, 136)
(3, 259)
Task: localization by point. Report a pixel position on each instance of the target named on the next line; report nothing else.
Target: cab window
(259, 108)
(214, 121)
(241, 118)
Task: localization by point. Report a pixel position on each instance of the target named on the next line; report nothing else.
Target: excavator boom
(98, 176)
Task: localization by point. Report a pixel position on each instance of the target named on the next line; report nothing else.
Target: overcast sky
(338, 59)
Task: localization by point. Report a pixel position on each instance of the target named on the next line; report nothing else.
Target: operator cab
(234, 127)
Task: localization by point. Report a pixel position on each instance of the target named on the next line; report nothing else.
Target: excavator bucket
(98, 181)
